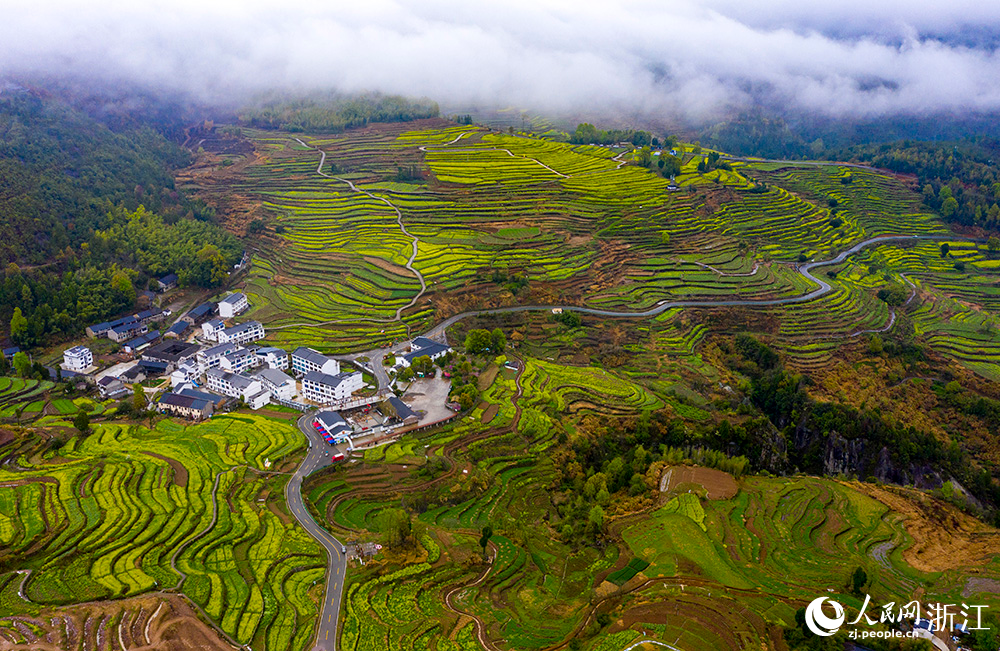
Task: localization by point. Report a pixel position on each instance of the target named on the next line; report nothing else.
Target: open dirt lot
(720, 485)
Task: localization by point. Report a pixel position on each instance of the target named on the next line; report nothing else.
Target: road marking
(328, 635)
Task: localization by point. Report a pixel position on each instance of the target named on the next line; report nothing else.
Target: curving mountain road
(317, 457)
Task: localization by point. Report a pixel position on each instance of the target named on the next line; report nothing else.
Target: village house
(401, 411)
(185, 406)
(212, 357)
(233, 305)
(306, 360)
(239, 360)
(177, 331)
(210, 329)
(200, 313)
(128, 330)
(421, 347)
(78, 359)
(186, 371)
(132, 346)
(278, 383)
(236, 385)
(326, 389)
(273, 357)
(111, 387)
(170, 353)
(243, 333)
(333, 428)
(167, 282)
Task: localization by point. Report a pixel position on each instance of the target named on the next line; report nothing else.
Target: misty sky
(692, 59)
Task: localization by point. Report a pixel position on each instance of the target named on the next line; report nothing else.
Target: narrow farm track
(399, 220)
(805, 270)
(480, 626)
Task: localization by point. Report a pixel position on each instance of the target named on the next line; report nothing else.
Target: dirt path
(480, 626)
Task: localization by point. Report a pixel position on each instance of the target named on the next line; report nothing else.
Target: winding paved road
(318, 454)
(318, 457)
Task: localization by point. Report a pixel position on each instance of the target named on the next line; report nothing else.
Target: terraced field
(581, 224)
(703, 573)
(199, 509)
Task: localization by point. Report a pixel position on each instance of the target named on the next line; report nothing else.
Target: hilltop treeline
(957, 179)
(334, 114)
(587, 133)
(88, 215)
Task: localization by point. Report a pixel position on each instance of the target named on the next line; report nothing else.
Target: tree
(19, 328)
(596, 518)
(82, 421)
(22, 365)
(949, 207)
(645, 158)
(423, 364)
(944, 250)
(498, 342)
(993, 244)
(396, 525)
(138, 399)
(485, 538)
(478, 341)
(664, 238)
(859, 580)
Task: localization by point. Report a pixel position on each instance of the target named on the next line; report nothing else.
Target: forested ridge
(88, 215)
(334, 113)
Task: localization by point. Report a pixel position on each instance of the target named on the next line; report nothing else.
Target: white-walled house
(326, 389)
(236, 385)
(210, 329)
(306, 360)
(279, 383)
(212, 357)
(233, 305)
(239, 360)
(243, 333)
(420, 347)
(78, 359)
(273, 358)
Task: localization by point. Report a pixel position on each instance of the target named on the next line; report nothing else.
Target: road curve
(316, 458)
(805, 270)
(399, 220)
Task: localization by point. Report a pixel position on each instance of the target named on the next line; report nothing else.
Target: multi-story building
(273, 358)
(210, 329)
(78, 359)
(212, 357)
(233, 305)
(306, 360)
(327, 389)
(277, 382)
(243, 333)
(236, 385)
(239, 360)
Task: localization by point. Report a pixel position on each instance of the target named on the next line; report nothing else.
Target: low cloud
(688, 60)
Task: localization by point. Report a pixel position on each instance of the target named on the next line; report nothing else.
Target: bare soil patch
(719, 485)
(944, 538)
(490, 412)
(180, 472)
(156, 622)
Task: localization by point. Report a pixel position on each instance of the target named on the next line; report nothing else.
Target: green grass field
(125, 510)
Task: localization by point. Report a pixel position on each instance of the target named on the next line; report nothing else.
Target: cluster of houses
(211, 361)
(222, 362)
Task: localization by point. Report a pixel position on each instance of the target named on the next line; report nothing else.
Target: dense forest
(89, 214)
(958, 179)
(335, 113)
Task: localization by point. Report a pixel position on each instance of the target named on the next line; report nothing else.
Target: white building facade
(306, 360)
(243, 333)
(78, 359)
(233, 305)
(327, 389)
